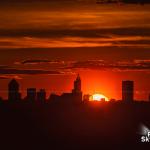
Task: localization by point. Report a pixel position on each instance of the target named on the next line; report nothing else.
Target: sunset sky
(45, 44)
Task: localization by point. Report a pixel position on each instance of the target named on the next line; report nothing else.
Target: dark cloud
(136, 1)
(137, 65)
(70, 67)
(27, 71)
(52, 33)
(89, 33)
(4, 67)
(63, 54)
(30, 1)
(98, 1)
(124, 1)
(113, 37)
(35, 61)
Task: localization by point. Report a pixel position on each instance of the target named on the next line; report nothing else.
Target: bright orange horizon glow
(98, 97)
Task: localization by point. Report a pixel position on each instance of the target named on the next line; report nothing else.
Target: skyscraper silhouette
(41, 95)
(127, 91)
(31, 94)
(77, 85)
(76, 92)
(13, 91)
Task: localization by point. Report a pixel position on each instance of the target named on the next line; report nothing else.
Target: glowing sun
(98, 97)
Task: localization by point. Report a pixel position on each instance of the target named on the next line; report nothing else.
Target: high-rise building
(75, 97)
(127, 91)
(41, 95)
(77, 85)
(76, 92)
(31, 94)
(13, 91)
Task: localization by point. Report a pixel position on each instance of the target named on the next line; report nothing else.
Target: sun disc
(98, 97)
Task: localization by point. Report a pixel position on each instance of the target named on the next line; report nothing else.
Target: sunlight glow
(98, 97)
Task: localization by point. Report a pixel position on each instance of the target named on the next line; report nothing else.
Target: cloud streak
(5, 77)
(13, 71)
(45, 61)
(102, 32)
(70, 67)
(79, 27)
(112, 41)
(135, 65)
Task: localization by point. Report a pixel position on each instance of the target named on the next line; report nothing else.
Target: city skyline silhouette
(74, 74)
(68, 121)
(33, 95)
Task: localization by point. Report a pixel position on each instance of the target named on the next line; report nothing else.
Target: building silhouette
(41, 95)
(13, 91)
(54, 98)
(74, 97)
(31, 94)
(67, 98)
(77, 85)
(127, 91)
(76, 92)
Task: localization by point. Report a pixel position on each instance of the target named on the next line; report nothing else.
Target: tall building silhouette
(13, 91)
(127, 91)
(76, 92)
(77, 85)
(31, 94)
(74, 97)
(41, 95)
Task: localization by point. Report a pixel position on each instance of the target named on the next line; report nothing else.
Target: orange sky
(45, 45)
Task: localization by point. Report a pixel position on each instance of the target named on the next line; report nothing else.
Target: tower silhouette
(13, 91)
(76, 92)
(127, 91)
(77, 85)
